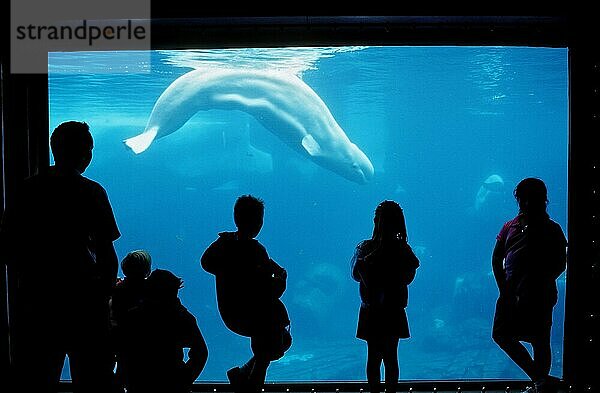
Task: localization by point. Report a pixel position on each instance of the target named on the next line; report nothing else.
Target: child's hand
(281, 274)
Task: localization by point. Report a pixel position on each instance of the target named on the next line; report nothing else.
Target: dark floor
(468, 386)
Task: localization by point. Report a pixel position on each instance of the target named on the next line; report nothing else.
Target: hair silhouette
(248, 213)
(162, 284)
(72, 143)
(532, 196)
(389, 221)
(137, 264)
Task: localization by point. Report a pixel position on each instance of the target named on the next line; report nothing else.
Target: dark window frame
(25, 123)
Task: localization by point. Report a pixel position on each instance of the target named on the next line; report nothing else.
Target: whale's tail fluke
(141, 142)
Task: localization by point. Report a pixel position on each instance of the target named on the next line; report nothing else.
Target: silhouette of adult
(384, 266)
(529, 255)
(152, 337)
(249, 285)
(59, 239)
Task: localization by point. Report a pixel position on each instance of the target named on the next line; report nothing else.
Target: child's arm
(278, 277)
(411, 264)
(498, 266)
(107, 263)
(559, 254)
(210, 257)
(358, 261)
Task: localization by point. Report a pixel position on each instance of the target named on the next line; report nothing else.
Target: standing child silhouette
(529, 255)
(384, 266)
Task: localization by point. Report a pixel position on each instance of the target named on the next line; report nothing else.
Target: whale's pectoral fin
(311, 146)
(141, 142)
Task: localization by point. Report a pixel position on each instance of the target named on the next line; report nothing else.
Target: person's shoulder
(554, 224)
(119, 292)
(364, 244)
(37, 179)
(38, 184)
(92, 184)
(42, 175)
(555, 227)
(259, 245)
(363, 248)
(512, 222)
(121, 284)
(225, 237)
(185, 314)
(223, 242)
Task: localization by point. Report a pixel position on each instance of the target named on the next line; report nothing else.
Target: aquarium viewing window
(446, 131)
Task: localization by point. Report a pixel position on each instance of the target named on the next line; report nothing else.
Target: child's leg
(542, 355)
(247, 368)
(374, 358)
(261, 348)
(517, 352)
(390, 362)
(259, 373)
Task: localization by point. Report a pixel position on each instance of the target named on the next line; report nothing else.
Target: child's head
(531, 195)
(389, 221)
(248, 214)
(136, 265)
(72, 143)
(163, 285)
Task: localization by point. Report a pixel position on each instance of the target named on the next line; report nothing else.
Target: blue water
(435, 122)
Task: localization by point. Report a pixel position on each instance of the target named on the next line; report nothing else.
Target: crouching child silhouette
(152, 338)
(249, 285)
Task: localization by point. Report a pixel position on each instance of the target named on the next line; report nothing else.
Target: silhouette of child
(384, 266)
(129, 291)
(128, 295)
(529, 255)
(249, 285)
(153, 338)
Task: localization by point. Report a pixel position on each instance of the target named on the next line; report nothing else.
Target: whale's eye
(355, 165)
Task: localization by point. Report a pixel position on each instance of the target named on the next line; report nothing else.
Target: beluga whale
(492, 184)
(280, 101)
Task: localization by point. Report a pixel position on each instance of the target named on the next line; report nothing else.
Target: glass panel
(449, 132)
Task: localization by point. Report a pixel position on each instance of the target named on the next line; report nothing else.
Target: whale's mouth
(362, 168)
(361, 175)
(364, 171)
(366, 177)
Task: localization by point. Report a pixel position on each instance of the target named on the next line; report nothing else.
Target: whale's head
(361, 170)
(340, 156)
(494, 183)
(351, 163)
